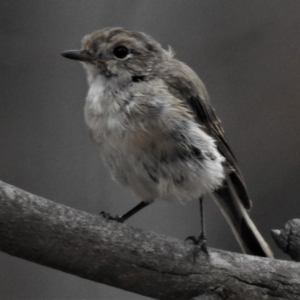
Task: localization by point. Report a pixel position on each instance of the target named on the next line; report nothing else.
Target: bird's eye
(121, 52)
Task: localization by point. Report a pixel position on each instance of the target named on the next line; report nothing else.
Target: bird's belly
(156, 167)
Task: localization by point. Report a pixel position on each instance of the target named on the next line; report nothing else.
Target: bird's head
(120, 54)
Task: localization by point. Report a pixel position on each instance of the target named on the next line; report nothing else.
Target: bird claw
(109, 217)
(200, 245)
(191, 238)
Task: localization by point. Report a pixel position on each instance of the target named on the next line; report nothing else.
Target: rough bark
(288, 238)
(146, 263)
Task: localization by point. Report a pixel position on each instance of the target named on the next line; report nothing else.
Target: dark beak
(81, 55)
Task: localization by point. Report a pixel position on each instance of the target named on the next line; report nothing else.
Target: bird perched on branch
(151, 118)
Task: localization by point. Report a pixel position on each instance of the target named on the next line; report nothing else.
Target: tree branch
(146, 263)
(288, 238)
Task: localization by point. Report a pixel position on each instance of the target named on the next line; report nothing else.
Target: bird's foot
(109, 217)
(200, 245)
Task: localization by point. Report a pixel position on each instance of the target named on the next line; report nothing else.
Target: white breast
(95, 97)
(102, 112)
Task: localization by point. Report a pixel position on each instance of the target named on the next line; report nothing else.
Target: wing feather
(183, 83)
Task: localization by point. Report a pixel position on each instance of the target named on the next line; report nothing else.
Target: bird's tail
(246, 233)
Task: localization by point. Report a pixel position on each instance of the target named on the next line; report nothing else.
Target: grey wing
(184, 83)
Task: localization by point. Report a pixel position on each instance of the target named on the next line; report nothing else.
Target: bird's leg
(200, 242)
(126, 216)
(202, 236)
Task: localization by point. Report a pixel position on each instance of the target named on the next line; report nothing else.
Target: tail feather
(246, 233)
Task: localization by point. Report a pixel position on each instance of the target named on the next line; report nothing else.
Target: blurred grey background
(246, 52)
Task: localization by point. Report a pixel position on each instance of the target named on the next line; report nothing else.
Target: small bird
(151, 119)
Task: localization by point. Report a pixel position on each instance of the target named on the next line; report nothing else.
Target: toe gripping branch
(126, 216)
